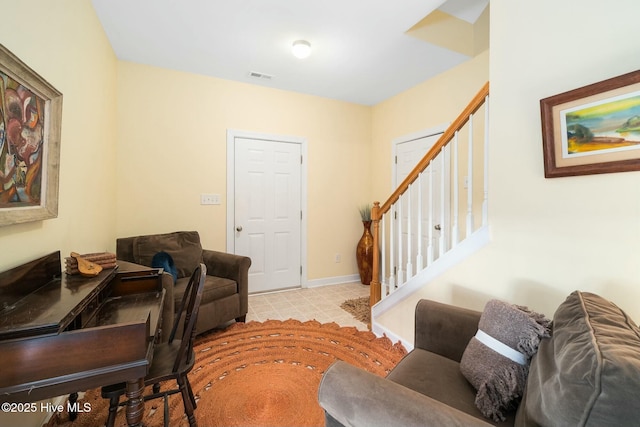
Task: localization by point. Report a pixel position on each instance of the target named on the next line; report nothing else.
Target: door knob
(437, 227)
(239, 228)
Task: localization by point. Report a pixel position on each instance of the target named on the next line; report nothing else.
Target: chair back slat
(188, 315)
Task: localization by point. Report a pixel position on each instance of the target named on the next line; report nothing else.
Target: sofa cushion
(183, 246)
(215, 288)
(496, 360)
(588, 372)
(437, 377)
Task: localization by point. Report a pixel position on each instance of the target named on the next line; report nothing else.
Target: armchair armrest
(355, 397)
(230, 266)
(444, 329)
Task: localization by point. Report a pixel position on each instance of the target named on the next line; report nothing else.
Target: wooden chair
(172, 360)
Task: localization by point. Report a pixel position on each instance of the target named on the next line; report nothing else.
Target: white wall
(548, 236)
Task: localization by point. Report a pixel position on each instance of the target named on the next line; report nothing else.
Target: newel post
(375, 288)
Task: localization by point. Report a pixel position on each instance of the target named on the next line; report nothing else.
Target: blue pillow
(165, 261)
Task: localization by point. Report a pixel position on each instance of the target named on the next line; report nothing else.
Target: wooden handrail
(378, 211)
(448, 134)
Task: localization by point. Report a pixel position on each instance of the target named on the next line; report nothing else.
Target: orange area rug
(260, 374)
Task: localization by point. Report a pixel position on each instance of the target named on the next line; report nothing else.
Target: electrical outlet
(338, 258)
(209, 199)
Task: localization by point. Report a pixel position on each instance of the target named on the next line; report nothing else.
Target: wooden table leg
(135, 402)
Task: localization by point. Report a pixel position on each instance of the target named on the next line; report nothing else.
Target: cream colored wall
(172, 147)
(482, 30)
(64, 43)
(548, 236)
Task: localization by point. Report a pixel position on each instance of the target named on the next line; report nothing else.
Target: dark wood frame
(13, 67)
(551, 125)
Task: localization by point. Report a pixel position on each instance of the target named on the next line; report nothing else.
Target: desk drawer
(136, 282)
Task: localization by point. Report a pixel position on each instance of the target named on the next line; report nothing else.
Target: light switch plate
(209, 199)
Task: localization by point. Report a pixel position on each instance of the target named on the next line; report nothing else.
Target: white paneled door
(268, 214)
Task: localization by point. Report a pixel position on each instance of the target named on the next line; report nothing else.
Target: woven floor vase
(364, 254)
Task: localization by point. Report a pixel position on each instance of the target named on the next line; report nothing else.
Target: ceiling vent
(257, 75)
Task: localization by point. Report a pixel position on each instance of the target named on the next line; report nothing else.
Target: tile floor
(321, 303)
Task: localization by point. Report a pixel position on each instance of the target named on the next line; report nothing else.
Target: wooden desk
(61, 334)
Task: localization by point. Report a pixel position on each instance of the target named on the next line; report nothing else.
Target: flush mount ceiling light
(301, 49)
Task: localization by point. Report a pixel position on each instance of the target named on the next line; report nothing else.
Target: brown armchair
(226, 288)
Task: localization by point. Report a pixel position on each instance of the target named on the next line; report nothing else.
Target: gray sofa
(226, 289)
(586, 374)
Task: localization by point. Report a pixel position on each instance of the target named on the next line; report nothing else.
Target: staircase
(438, 215)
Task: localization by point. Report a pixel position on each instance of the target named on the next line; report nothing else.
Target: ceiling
(360, 50)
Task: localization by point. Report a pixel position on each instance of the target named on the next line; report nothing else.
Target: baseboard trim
(336, 280)
(326, 281)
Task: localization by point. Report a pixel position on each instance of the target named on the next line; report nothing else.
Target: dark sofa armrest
(355, 397)
(444, 329)
(230, 266)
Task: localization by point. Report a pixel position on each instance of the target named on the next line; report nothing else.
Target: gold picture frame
(593, 129)
(30, 128)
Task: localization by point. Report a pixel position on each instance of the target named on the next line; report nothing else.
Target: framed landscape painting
(30, 116)
(593, 129)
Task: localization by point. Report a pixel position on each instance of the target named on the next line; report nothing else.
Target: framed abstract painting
(30, 120)
(593, 129)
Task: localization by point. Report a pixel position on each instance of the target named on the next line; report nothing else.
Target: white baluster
(443, 220)
(430, 220)
(485, 200)
(470, 180)
(455, 228)
(419, 260)
(409, 237)
(392, 254)
(400, 274)
(383, 258)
